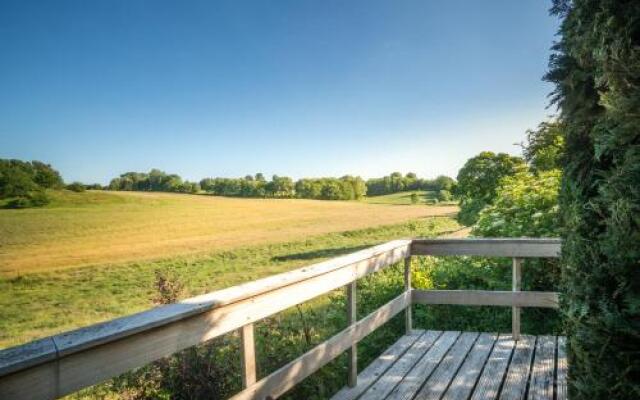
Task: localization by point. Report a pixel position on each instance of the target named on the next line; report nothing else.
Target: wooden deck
(465, 365)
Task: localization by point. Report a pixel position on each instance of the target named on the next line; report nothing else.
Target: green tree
(45, 176)
(596, 70)
(544, 147)
(76, 187)
(478, 181)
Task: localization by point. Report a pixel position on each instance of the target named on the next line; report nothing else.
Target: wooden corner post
(515, 287)
(407, 287)
(352, 318)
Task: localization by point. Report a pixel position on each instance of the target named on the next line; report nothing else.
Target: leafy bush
(444, 195)
(525, 205)
(36, 198)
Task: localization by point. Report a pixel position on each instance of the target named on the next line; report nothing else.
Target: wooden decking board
(385, 384)
(378, 367)
(515, 384)
(439, 381)
(488, 386)
(462, 385)
(412, 382)
(465, 365)
(561, 374)
(542, 373)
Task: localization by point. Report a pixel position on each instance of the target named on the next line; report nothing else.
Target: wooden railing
(61, 364)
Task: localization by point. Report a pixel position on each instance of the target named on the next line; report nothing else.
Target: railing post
(515, 286)
(352, 379)
(407, 287)
(248, 357)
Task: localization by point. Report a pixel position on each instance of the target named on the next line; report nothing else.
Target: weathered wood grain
(248, 355)
(378, 367)
(439, 380)
(516, 283)
(387, 382)
(488, 385)
(466, 378)
(486, 298)
(525, 247)
(413, 380)
(408, 323)
(352, 353)
(543, 371)
(561, 374)
(515, 384)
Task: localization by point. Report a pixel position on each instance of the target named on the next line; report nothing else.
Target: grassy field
(404, 198)
(99, 228)
(286, 234)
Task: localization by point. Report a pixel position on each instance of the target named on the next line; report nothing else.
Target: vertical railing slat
(516, 284)
(407, 287)
(352, 318)
(248, 350)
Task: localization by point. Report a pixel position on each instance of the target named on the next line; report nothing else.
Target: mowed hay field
(203, 242)
(81, 229)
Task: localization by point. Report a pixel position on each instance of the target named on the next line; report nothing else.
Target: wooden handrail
(61, 364)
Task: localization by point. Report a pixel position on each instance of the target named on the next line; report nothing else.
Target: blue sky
(297, 88)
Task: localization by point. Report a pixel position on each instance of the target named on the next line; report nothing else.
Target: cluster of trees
(489, 178)
(396, 182)
(23, 183)
(155, 180)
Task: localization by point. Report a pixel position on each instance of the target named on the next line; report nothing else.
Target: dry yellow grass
(104, 228)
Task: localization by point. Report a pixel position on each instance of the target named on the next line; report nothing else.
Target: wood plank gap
(515, 383)
(466, 378)
(438, 383)
(490, 382)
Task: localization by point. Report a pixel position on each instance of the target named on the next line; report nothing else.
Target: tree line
(344, 188)
(23, 184)
(396, 182)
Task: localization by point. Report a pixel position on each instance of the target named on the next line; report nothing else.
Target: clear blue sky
(298, 88)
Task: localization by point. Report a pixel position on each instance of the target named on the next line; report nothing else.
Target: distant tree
(45, 176)
(76, 187)
(25, 182)
(444, 195)
(15, 181)
(544, 146)
(478, 180)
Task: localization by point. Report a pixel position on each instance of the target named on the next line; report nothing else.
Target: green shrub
(444, 195)
(525, 205)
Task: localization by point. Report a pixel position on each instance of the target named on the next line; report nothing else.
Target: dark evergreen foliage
(596, 69)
